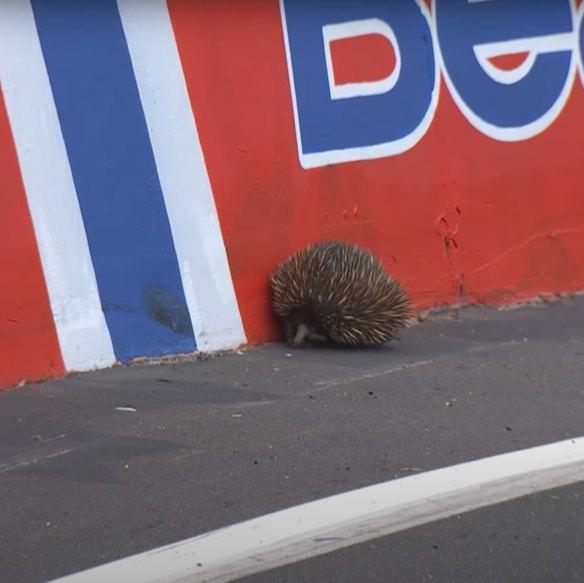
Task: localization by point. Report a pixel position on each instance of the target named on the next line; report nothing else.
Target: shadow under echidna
(336, 292)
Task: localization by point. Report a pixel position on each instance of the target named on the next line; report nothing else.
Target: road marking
(372, 375)
(29, 461)
(347, 519)
(476, 346)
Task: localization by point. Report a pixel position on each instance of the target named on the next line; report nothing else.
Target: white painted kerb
(340, 521)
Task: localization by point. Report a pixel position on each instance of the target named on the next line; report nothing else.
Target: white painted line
(29, 461)
(183, 175)
(344, 520)
(83, 334)
(372, 375)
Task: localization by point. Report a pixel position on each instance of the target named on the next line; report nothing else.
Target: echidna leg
(316, 337)
(288, 330)
(301, 334)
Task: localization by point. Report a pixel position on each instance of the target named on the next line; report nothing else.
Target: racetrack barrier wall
(159, 158)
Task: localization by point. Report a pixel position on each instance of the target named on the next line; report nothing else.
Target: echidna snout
(301, 326)
(338, 292)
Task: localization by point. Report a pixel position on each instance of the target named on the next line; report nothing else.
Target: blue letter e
(508, 63)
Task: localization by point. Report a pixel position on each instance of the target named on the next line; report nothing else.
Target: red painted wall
(458, 218)
(29, 349)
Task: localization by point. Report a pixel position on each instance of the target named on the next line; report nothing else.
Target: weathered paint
(235, 133)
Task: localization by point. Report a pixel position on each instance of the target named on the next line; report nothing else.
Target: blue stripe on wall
(115, 176)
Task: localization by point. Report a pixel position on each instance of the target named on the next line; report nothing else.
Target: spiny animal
(337, 292)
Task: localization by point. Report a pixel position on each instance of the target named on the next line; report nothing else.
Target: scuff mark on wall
(555, 235)
(447, 227)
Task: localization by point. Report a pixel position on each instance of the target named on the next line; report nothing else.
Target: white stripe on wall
(81, 328)
(183, 175)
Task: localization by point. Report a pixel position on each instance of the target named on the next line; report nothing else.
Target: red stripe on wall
(29, 348)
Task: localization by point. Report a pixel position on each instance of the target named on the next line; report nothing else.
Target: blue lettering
(519, 103)
(381, 120)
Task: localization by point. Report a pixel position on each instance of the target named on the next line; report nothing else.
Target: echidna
(338, 292)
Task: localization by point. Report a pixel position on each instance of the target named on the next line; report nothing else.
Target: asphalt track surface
(198, 446)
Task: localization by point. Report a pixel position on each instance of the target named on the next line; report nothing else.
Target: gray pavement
(215, 442)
